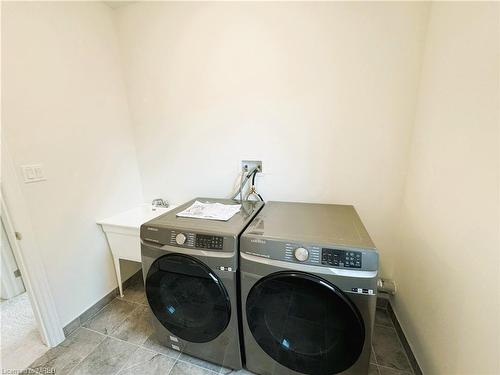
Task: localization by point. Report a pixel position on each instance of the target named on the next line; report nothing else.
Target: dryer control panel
(302, 253)
(341, 258)
(322, 255)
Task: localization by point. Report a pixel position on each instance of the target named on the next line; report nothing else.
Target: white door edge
(27, 256)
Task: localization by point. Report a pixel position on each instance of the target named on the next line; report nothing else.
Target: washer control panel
(209, 242)
(341, 258)
(182, 238)
(194, 240)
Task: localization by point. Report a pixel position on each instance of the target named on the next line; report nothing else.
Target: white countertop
(135, 217)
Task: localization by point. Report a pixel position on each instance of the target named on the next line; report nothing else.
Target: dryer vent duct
(386, 286)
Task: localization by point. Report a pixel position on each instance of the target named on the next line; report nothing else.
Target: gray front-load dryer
(308, 290)
(190, 272)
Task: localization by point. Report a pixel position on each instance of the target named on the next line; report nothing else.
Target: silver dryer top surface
(329, 224)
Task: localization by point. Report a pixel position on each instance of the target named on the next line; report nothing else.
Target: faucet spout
(159, 202)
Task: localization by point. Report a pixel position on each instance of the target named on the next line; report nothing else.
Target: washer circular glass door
(188, 298)
(305, 323)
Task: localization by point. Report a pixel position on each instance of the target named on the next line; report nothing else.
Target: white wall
(323, 93)
(329, 91)
(448, 264)
(64, 104)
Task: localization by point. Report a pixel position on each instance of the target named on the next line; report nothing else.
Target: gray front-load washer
(308, 290)
(190, 272)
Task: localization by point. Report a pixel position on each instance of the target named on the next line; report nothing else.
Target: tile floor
(118, 339)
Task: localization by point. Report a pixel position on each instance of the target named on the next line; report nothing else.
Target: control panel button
(301, 254)
(180, 239)
(209, 242)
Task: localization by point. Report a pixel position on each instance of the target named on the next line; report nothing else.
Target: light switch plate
(33, 173)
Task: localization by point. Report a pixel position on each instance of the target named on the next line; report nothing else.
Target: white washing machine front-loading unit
(308, 290)
(190, 272)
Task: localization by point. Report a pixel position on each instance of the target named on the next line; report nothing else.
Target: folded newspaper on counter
(210, 211)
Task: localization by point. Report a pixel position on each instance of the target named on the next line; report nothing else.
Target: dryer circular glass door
(305, 323)
(188, 298)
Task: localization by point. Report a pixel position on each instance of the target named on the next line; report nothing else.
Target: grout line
(406, 355)
(115, 338)
(93, 315)
(393, 327)
(76, 329)
(77, 363)
(93, 350)
(116, 296)
(93, 330)
(165, 355)
(106, 305)
(120, 322)
(143, 348)
(125, 318)
(137, 346)
(138, 364)
(129, 301)
(194, 364)
(401, 344)
(125, 361)
(169, 371)
(177, 358)
(81, 360)
(402, 349)
(374, 355)
(81, 325)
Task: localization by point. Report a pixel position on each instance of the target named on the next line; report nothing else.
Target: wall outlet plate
(248, 165)
(33, 173)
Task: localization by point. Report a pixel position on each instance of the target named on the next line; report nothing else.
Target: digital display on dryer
(209, 242)
(341, 258)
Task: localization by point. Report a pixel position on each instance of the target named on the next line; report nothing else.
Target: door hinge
(17, 273)
(19, 236)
